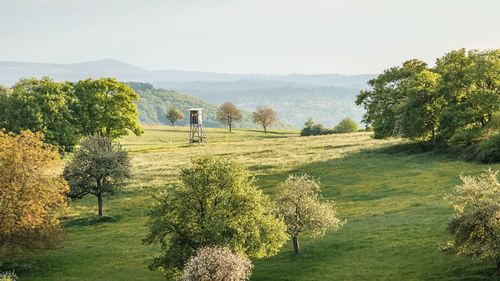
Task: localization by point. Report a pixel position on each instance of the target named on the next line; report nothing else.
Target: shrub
(217, 264)
(488, 151)
(347, 125)
(311, 129)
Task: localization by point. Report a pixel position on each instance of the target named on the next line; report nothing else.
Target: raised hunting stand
(196, 132)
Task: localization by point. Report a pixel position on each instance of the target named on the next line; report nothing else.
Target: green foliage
(454, 101)
(41, 106)
(217, 203)
(106, 107)
(301, 206)
(311, 129)
(347, 125)
(174, 114)
(476, 224)
(99, 166)
(488, 150)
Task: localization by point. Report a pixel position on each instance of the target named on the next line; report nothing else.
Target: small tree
(217, 203)
(174, 114)
(347, 125)
(228, 113)
(32, 194)
(264, 116)
(217, 264)
(300, 204)
(99, 167)
(476, 222)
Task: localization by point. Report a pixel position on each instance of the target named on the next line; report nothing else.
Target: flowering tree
(300, 204)
(476, 222)
(215, 263)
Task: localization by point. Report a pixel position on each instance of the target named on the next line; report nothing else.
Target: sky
(246, 36)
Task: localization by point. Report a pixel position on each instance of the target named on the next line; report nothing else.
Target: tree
(300, 204)
(217, 264)
(469, 87)
(106, 107)
(347, 125)
(228, 113)
(388, 92)
(476, 222)
(265, 116)
(216, 203)
(174, 114)
(41, 105)
(98, 167)
(32, 195)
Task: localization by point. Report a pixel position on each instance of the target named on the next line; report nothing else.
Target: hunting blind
(196, 132)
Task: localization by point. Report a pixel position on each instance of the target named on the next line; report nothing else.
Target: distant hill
(155, 102)
(327, 98)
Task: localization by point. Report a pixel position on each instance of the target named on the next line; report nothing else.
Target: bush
(488, 151)
(217, 264)
(347, 125)
(311, 129)
(8, 276)
(466, 137)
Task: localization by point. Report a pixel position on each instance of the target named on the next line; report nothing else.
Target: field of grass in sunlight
(392, 201)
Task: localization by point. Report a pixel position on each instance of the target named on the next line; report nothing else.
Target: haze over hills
(326, 97)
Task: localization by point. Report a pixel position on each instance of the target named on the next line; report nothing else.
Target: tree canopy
(174, 114)
(301, 205)
(216, 203)
(106, 107)
(32, 194)
(228, 114)
(452, 102)
(98, 167)
(347, 125)
(264, 116)
(476, 222)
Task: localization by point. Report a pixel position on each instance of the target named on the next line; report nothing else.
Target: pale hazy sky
(247, 36)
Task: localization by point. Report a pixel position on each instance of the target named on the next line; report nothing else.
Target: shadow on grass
(91, 221)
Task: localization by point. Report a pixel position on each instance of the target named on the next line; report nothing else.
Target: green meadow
(392, 202)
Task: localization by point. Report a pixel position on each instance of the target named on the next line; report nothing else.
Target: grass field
(393, 203)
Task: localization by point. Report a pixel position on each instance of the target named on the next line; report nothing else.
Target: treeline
(67, 111)
(455, 103)
(347, 125)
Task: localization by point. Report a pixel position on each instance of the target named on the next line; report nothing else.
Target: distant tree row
(456, 102)
(347, 125)
(67, 111)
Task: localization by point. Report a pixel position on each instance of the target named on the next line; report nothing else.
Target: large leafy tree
(476, 222)
(216, 203)
(228, 114)
(106, 107)
(32, 194)
(41, 105)
(470, 87)
(388, 92)
(99, 167)
(347, 125)
(419, 112)
(304, 211)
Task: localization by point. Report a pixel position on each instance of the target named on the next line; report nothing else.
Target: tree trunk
(498, 267)
(173, 124)
(295, 245)
(230, 128)
(434, 138)
(265, 130)
(99, 204)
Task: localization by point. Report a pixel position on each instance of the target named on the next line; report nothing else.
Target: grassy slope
(393, 204)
